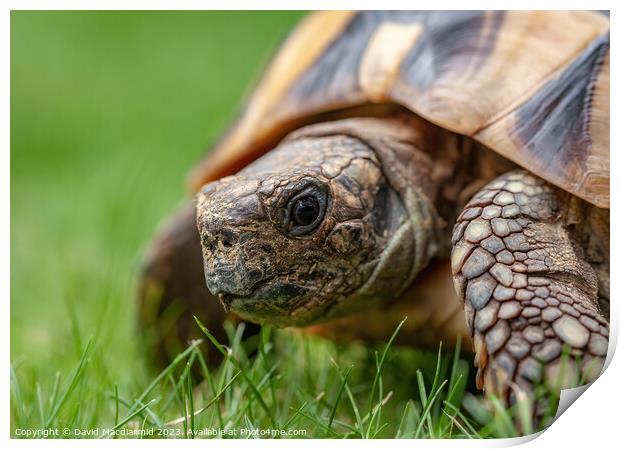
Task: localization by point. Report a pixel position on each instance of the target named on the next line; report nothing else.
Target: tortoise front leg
(529, 294)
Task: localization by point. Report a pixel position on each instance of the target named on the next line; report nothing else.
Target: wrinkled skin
(269, 268)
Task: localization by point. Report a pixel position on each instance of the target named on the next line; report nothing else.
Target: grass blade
(382, 361)
(134, 414)
(167, 370)
(230, 356)
(343, 383)
(74, 379)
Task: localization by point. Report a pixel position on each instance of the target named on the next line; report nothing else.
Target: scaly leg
(530, 294)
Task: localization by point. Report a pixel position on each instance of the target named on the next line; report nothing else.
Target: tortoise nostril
(223, 239)
(228, 238)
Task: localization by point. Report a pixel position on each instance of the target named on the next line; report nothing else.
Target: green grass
(108, 112)
(278, 384)
(323, 391)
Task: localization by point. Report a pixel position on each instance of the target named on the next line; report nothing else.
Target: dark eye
(306, 210)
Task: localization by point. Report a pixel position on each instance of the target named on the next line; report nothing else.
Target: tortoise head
(311, 231)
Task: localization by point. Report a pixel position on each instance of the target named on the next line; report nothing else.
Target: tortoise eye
(306, 211)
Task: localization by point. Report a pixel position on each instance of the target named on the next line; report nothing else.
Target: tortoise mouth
(272, 301)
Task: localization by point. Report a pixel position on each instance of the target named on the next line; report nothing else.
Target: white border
(590, 422)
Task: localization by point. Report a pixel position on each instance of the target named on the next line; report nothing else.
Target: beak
(225, 301)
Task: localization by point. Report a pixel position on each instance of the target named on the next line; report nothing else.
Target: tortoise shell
(531, 85)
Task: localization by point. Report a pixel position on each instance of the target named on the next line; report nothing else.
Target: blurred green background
(109, 110)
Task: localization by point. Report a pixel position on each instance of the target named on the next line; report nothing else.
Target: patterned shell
(531, 85)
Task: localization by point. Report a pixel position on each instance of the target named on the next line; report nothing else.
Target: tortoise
(451, 167)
